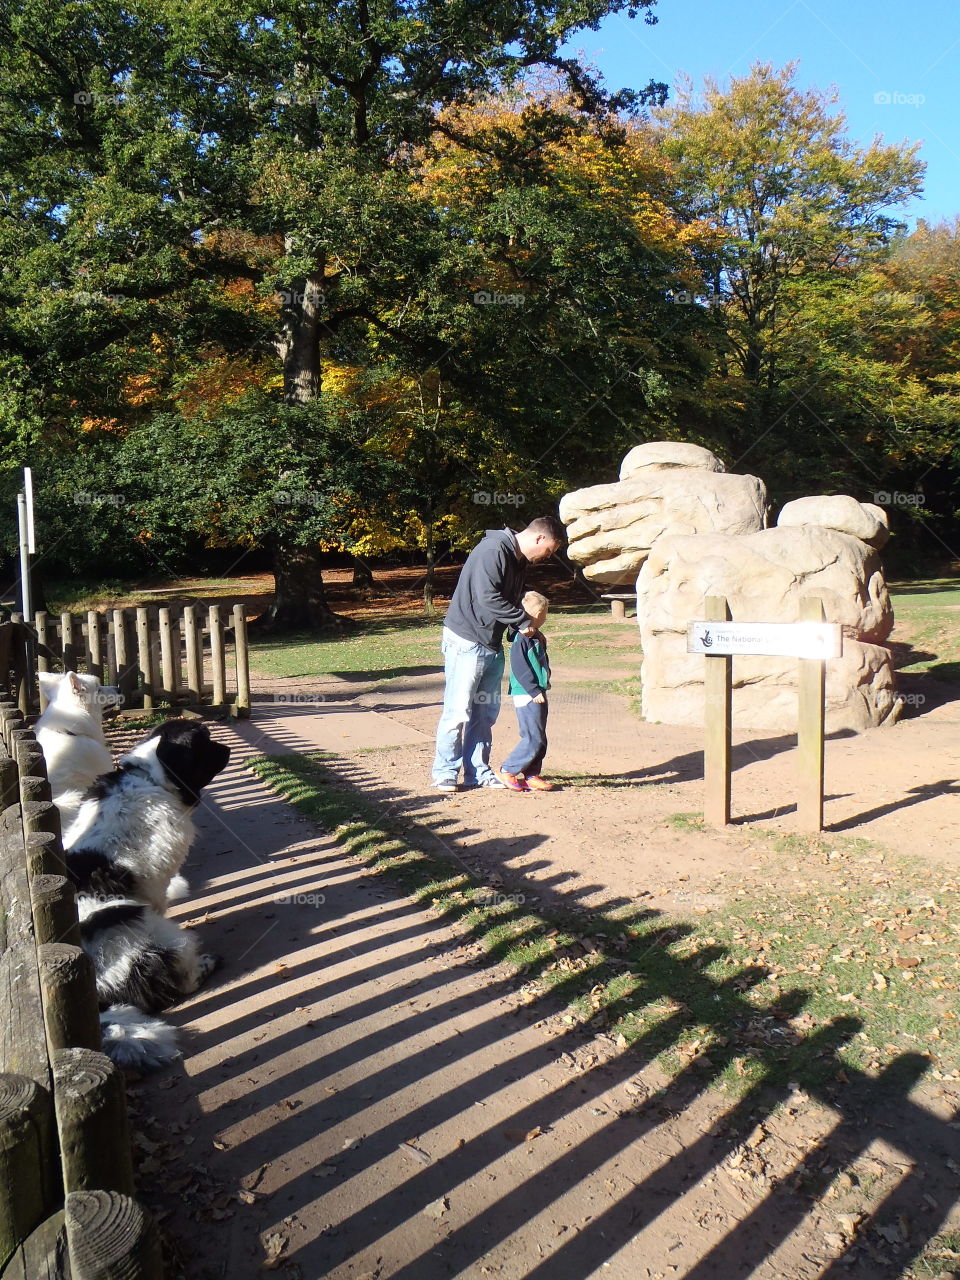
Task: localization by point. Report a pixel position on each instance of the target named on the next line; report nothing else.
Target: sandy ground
(363, 1095)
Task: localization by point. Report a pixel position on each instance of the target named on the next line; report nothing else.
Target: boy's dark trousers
(527, 755)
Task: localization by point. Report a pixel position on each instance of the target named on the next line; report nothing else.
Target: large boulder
(864, 520)
(666, 454)
(764, 575)
(611, 527)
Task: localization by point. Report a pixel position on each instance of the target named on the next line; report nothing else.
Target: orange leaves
(219, 380)
(139, 389)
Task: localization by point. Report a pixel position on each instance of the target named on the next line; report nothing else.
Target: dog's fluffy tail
(178, 889)
(135, 1041)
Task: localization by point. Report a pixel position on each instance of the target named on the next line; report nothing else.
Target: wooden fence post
(110, 1237)
(68, 648)
(811, 684)
(145, 657)
(242, 654)
(44, 852)
(11, 717)
(718, 689)
(54, 910)
(218, 656)
(9, 783)
(67, 983)
(126, 669)
(91, 1106)
(194, 654)
(110, 656)
(20, 664)
(94, 646)
(43, 662)
(169, 655)
(27, 1183)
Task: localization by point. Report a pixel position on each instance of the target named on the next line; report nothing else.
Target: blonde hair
(534, 603)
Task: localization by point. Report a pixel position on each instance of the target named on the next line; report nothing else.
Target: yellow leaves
(340, 379)
(101, 424)
(139, 389)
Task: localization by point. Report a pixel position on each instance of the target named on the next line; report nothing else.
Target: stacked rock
(693, 530)
(664, 488)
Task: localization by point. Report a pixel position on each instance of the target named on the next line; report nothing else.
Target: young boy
(529, 682)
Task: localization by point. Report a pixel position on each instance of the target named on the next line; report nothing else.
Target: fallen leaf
(522, 1135)
(409, 1149)
(274, 1245)
(438, 1208)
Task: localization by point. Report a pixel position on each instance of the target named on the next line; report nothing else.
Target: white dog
(127, 842)
(70, 733)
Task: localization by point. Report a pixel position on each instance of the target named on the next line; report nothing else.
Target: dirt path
(363, 1095)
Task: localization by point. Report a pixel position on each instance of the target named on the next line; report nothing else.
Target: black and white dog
(128, 841)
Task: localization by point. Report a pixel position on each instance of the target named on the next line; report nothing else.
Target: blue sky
(863, 47)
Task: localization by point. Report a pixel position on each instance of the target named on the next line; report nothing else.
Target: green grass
(378, 650)
(77, 596)
(928, 618)
(786, 982)
(941, 1256)
(400, 643)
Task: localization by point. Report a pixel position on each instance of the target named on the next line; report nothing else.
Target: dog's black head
(189, 756)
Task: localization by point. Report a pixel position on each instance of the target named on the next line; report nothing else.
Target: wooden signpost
(812, 641)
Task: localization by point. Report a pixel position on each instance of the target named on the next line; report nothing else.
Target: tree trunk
(300, 601)
(304, 301)
(362, 575)
(428, 582)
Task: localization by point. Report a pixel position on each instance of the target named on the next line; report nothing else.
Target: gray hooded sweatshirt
(491, 585)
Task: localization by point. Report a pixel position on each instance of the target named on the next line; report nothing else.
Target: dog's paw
(207, 964)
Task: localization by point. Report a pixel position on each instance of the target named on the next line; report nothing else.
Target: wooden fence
(67, 1210)
(155, 655)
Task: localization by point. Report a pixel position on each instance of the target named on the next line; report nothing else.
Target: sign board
(772, 639)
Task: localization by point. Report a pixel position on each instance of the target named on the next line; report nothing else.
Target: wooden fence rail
(67, 1209)
(154, 654)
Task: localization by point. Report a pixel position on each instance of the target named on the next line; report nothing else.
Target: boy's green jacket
(529, 665)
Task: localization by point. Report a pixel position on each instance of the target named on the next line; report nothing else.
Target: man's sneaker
(444, 786)
(536, 783)
(513, 782)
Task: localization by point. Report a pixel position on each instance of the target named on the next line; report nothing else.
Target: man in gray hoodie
(484, 604)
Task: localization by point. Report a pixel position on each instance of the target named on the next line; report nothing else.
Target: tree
(162, 148)
(770, 167)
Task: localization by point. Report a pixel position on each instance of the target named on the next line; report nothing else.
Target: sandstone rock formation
(838, 511)
(763, 576)
(667, 488)
(666, 455)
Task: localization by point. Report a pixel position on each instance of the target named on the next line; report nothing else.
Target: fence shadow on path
(414, 1034)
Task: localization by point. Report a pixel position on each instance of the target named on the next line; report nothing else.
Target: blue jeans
(471, 704)
(527, 756)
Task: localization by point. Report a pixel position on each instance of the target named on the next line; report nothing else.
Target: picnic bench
(618, 603)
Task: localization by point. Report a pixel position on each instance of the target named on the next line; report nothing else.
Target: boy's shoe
(445, 786)
(492, 783)
(536, 783)
(513, 782)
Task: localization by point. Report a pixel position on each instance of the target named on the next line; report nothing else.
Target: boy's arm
(520, 667)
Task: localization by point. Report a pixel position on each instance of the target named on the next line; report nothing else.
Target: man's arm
(492, 600)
